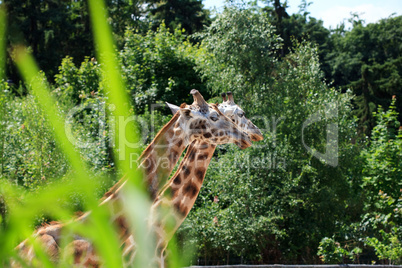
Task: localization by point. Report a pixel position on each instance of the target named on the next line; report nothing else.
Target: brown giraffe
(199, 121)
(177, 198)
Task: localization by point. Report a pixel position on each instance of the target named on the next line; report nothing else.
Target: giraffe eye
(214, 118)
(241, 115)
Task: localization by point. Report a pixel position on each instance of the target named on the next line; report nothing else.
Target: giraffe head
(229, 108)
(205, 122)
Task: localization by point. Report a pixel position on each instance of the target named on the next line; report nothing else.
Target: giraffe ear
(173, 107)
(185, 112)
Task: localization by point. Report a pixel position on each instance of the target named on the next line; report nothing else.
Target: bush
(382, 187)
(29, 156)
(378, 226)
(160, 66)
(75, 84)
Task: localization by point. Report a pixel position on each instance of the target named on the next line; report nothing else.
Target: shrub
(160, 66)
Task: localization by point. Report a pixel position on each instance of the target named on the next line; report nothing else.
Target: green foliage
(390, 246)
(29, 156)
(380, 224)
(383, 187)
(188, 15)
(76, 84)
(383, 169)
(239, 53)
(52, 29)
(331, 251)
(126, 14)
(367, 59)
(299, 26)
(160, 66)
(271, 203)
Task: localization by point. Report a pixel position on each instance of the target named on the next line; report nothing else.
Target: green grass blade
(115, 89)
(98, 229)
(136, 203)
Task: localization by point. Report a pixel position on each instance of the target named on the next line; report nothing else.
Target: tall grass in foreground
(24, 208)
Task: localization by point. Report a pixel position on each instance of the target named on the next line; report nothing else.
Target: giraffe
(162, 154)
(176, 199)
(199, 121)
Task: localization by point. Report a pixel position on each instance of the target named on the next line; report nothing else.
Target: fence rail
(300, 266)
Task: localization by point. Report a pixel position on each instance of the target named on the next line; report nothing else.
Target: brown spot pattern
(186, 170)
(173, 156)
(202, 157)
(180, 209)
(179, 142)
(173, 192)
(122, 226)
(207, 135)
(199, 174)
(203, 145)
(177, 180)
(191, 190)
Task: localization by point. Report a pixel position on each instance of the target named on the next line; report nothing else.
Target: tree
(240, 47)
(367, 60)
(380, 221)
(298, 27)
(52, 29)
(55, 29)
(159, 67)
(187, 14)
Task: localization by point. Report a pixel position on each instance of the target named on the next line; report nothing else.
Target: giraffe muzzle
(243, 144)
(256, 137)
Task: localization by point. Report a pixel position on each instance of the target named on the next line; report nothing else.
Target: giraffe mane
(46, 224)
(215, 107)
(147, 150)
(157, 136)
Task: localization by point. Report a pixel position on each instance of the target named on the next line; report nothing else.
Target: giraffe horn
(198, 99)
(223, 96)
(230, 96)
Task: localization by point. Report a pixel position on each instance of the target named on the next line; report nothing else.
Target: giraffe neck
(180, 193)
(158, 159)
(183, 188)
